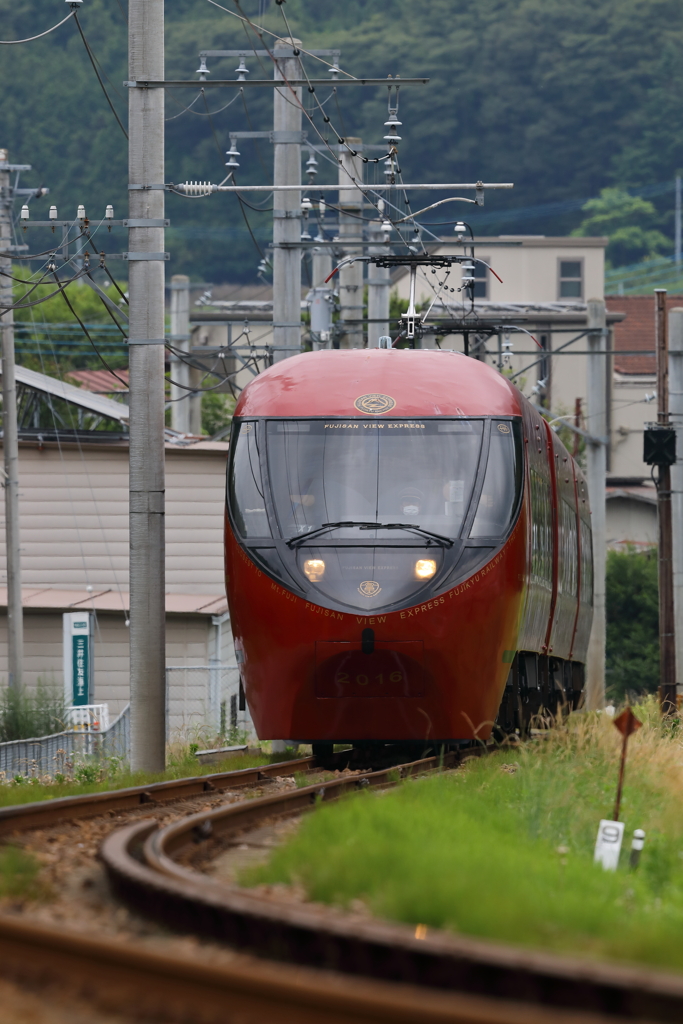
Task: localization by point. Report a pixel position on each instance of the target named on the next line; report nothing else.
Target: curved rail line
(140, 862)
(41, 813)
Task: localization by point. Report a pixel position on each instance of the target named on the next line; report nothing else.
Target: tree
(632, 623)
(628, 221)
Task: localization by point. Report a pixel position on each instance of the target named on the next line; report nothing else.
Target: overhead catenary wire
(15, 42)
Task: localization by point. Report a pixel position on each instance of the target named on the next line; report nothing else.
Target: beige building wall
(74, 517)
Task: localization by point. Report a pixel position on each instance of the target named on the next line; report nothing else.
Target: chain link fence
(203, 703)
(45, 755)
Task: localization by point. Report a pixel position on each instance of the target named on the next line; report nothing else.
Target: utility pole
(677, 222)
(10, 440)
(321, 299)
(676, 420)
(667, 643)
(379, 285)
(351, 231)
(596, 450)
(146, 341)
(287, 138)
(180, 337)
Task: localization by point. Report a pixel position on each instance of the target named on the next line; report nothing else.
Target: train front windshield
(400, 490)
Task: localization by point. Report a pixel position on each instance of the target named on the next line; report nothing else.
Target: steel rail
(19, 817)
(141, 867)
(118, 977)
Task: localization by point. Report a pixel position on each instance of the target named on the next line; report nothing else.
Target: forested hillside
(562, 98)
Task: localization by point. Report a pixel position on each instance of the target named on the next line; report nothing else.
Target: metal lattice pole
(146, 291)
(10, 443)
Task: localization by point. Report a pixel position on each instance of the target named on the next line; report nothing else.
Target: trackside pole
(146, 339)
(667, 646)
(676, 418)
(286, 205)
(596, 420)
(10, 444)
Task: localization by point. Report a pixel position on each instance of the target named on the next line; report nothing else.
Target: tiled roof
(101, 382)
(637, 331)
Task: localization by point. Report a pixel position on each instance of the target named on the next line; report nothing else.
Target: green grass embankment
(503, 848)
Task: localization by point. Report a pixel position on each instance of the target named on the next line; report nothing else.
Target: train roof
(395, 382)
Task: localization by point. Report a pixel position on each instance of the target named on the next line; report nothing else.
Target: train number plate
(392, 670)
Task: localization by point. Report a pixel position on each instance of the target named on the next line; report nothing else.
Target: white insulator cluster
(196, 188)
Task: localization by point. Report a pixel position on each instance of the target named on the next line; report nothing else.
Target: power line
(92, 61)
(14, 42)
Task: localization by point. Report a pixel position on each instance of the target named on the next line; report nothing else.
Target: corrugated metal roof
(75, 396)
(100, 382)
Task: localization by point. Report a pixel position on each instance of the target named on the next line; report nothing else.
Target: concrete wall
(631, 522)
(528, 265)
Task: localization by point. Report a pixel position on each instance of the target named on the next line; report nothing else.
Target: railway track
(338, 968)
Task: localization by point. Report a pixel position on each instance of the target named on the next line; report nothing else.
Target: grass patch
(25, 714)
(504, 850)
(108, 777)
(19, 872)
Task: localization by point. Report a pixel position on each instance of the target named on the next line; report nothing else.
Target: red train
(408, 551)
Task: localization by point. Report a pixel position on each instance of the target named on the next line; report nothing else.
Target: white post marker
(608, 844)
(637, 844)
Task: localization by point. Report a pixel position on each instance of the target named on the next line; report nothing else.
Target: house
(73, 477)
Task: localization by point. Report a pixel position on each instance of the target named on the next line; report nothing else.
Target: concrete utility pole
(146, 339)
(596, 425)
(10, 442)
(351, 231)
(180, 337)
(321, 297)
(667, 643)
(677, 222)
(287, 139)
(379, 286)
(676, 418)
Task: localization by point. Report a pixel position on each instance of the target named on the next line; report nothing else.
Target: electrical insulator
(311, 167)
(196, 188)
(467, 274)
(393, 123)
(80, 213)
(109, 213)
(386, 228)
(53, 213)
(380, 206)
(321, 207)
(389, 170)
(306, 205)
(202, 70)
(231, 154)
(24, 212)
(242, 71)
(460, 230)
(334, 71)
(394, 139)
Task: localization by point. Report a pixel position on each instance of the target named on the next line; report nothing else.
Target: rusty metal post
(667, 641)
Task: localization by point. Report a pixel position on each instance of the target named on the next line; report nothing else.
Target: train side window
(245, 486)
(502, 482)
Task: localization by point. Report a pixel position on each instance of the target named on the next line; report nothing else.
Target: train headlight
(425, 568)
(315, 569)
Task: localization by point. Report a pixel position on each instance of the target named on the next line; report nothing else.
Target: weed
(504, 850)
(19, 874)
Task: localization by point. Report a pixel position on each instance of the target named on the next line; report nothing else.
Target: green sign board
(80, 668)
